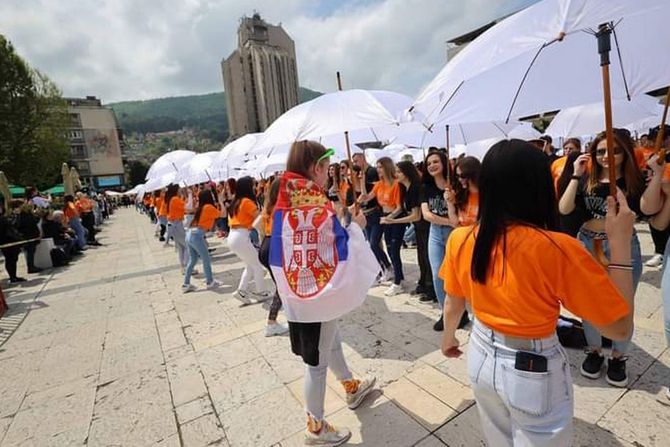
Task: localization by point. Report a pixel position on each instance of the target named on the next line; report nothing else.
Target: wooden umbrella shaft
(658, 144)
(609, 130)
(352, 175)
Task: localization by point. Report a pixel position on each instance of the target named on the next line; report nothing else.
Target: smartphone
(528, 361)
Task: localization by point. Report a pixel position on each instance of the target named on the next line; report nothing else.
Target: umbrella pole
(448, 167)
(658, 145)
(352, 176)
(603, 37)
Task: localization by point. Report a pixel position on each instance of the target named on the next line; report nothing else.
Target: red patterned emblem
(310, 256)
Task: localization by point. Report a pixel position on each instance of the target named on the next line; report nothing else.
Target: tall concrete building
(260, 77)
(95, 143)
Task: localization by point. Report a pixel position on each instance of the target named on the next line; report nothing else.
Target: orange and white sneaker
(323, 434)
(357, 390)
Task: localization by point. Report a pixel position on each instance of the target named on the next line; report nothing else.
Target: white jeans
(330, 356)
(519, 408)
(239, 243)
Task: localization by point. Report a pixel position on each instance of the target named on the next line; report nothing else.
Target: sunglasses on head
(603, 152)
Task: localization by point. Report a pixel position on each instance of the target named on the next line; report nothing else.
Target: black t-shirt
(434, 197)
(371, 177)
(595, 202)
(411, 198)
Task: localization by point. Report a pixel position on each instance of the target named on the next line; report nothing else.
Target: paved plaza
(108, 352)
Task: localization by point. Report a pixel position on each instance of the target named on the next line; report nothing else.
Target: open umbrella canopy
(590, 119)
(643, 125)
(169, 162)
(417, 135)
(545, 58)
(198, 169)
(233, 156)
(334, 113)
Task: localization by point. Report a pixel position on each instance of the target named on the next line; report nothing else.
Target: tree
(33, 122)
(137, 171)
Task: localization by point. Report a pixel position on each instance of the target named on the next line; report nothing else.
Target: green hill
(204, 113)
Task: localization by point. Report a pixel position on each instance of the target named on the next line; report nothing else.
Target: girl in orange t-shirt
(175, 211)
(516, 271)
(463, 202)
(263, 224)
(205, 215)
(387, 193)
(242, 213)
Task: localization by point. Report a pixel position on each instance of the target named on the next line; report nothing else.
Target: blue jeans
(197, 248)
(374, 233)
(437, 244)
(410, 235)
(593, 337)
(393, 235)
(665, 291)
(79, 231)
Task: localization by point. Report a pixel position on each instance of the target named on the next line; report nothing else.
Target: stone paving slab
(107, 351)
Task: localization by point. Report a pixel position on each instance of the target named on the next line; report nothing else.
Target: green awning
(17, 191)
(57, 190)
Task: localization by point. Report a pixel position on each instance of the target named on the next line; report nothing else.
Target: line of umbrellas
(542, 59)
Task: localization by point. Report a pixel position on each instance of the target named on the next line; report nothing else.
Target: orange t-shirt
(84, 205)
(69, 211)
(557, 169)
(245, 216)
(158, 201)
(468, 215)
(542, 271)
(642, 154)
(177, 209)
(388, 196)
(207, 217)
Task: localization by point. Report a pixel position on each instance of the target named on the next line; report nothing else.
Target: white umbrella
(168, 163)
(590, 119)
(162, 181)
(233, 156)
(417, 135)
(643, 125)
(332, 113)
(545, 58)
(198, 169)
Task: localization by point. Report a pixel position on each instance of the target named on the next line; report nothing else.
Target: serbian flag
(322, 269)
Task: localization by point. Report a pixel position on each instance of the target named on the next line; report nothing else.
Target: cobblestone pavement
(109, 352)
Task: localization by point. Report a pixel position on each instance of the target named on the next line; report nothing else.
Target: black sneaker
(426, 299)
(465, 320)
(616, 372)
(17, 279)
(592, 365)
(419, 290)
(439, 325)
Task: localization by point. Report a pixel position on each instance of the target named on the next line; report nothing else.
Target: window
(78, 151)
(76, 135)
(75, 120)
(83, 168)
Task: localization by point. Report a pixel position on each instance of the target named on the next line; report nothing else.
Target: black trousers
(11, 255)
(422, 229)
(88, 221)
(660, 238)
(264, 257)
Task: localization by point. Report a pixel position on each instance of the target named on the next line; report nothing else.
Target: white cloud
(129, 49)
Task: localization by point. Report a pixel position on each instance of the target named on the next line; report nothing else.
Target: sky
(140, 49)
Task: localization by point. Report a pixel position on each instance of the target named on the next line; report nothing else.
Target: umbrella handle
(599, 253)
(661, 151)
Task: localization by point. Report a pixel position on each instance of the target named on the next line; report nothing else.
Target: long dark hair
(515, 187)
(630, 171)
(204, 198)
(335, 179)
(245, 190)
(470, 168)
(565, 177)
(408, 170)
(271, 197)
(171, 191)
(426, 177)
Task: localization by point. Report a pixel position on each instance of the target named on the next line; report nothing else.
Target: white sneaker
(394, 289)
(655, 261)
(365, 386)
(213, 285)
(664, 397)
(243, 296)
(186, 288)
(263, 296)
(329, 436)
(276, 329)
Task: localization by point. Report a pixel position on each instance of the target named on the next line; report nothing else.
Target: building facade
(95, 143)
(260, 77)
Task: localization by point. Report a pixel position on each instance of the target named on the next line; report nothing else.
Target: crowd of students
(71, 222)
(516, 236)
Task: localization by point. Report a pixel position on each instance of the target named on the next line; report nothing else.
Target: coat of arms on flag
(311, 255)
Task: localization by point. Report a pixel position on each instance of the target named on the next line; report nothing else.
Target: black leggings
(11, 255)
(264, 257)
(422, 228)
(660, 238)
